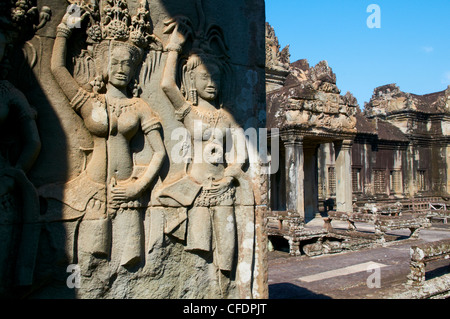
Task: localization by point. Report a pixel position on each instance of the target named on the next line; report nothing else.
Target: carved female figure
(16, 112)
(211, 220)
(110, 182)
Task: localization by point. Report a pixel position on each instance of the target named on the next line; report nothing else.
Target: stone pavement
(351, 275)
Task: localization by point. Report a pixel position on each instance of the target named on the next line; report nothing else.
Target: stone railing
(418, 205)
(286, 224)
(422, 254)
(414, 223)
(439, 211)
(383, 223)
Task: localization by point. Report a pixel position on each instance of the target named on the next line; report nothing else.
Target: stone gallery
(124, 173)
(384, 165)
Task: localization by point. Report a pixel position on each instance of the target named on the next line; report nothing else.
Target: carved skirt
(212, 226)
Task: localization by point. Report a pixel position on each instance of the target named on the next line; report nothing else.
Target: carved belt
(213, 197)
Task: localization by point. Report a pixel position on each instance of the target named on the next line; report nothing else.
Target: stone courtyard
(351, 275)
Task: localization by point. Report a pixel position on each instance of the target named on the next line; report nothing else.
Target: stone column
(311, 200)
(343, 176)
(410, 176)
(294, 174)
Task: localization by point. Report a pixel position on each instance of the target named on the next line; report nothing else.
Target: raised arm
(58, 62)
(180, 32)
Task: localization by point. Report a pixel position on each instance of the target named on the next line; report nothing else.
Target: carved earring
(193, 91)
(97, 84)
(193, 95)
(136, 89)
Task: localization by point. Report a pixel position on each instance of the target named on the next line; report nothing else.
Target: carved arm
(58, 63)
(168, 83)
(131, 190)
(159, 153)
(237, 155)
(180, 32)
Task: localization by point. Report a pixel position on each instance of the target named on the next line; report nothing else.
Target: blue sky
(411, 48)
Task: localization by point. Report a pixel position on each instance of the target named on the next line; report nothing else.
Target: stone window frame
(358, 184)
(331, 180)
(379, 186)
(421, 180)
(395, 182)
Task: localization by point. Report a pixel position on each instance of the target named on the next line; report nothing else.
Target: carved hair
(197, 58)
(103, 51)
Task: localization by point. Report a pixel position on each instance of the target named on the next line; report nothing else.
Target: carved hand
(125, 192)
(74, 16)
(223, 183)
(181, 29)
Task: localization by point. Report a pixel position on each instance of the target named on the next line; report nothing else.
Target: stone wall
(423, 120)
(400, 140)
(117, 209)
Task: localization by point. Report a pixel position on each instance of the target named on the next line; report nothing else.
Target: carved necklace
(210, 117)
(118, 107)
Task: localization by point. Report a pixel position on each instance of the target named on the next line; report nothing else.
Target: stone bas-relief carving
(20, 145)
(109, 190)
(389, 100)
(214, 179)
(135, 222)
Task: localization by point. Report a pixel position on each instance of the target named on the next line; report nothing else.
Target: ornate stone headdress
(209, 45)
(117, 24)
(118, 27)
(111, 24)
(22, 18)
(19, 21)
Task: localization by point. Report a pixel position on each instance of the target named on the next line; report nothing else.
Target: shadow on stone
(289, 291)
(439, 271)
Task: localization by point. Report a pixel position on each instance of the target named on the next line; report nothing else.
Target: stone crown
(116, 23)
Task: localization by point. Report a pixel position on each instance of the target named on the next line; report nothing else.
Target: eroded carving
(277, 62)
(311, 100)
(390, 99)
(113, 204)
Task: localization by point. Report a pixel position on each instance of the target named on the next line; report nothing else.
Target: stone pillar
(343, 176)
(294, 160)
(311, 200)
(410, 176)
(396, 175)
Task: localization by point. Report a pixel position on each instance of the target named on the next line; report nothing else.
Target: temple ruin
(386, 165)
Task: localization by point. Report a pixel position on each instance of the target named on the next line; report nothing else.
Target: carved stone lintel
(291, 138)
